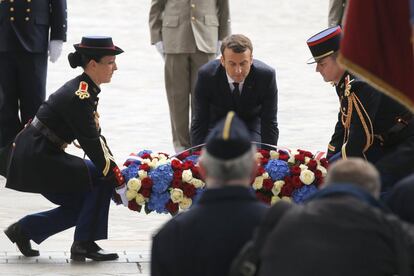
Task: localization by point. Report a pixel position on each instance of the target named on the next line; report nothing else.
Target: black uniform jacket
(204, 240)
(372, 115)
(338, 235)
(257, 106)
(25, 25)
(39, 164)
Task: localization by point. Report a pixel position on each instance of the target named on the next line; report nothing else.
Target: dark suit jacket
(25, 25)
(204, 240)
(38, 164)
(338, 235)
(257, 106)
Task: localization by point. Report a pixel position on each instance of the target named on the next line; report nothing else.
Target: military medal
(82, 92)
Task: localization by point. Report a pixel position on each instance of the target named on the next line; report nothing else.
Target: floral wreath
(164, 184)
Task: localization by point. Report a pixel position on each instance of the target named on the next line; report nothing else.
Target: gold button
(192, 18)
(28, 10)
(12, 18)
(26, 18)
(11, 1)
(11, 9)
(14, 144)
(28, 1)
(193, 6)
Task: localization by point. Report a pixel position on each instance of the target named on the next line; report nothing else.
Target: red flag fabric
(376, 46)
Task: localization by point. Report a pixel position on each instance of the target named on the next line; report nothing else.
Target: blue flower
(142, 152)
(192, 158)
(131, 171)
(277, 169)
(161, 177)
(158, 201)
(299, 195)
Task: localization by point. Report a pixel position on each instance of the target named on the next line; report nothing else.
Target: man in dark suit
(24, 46)
(236, 82)
(204, 240)
(343, 230)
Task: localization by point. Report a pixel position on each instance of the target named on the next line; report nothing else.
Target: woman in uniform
(38, 162)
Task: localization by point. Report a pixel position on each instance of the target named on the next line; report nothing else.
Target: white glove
(218, 52)
(55, 49)
(160, 48)
(121, 191)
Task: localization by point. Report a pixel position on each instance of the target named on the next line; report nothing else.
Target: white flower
(307, 159)
(131, 194)
(176, 195)
(259, 155)
(162, 162)
(286, 198)
(274, 154)
(162, 156)
(187, 176)
(322, 169)
(134, 184)
(274, 199)
(291, 159)
(198, 183)
(154, 155)
(277, 187)
(307, 177)
(154, 163)
(140, 199)
(146, 161)
(303, 167)
(258, 183)
(185, 203)
(142, 174)
(265, 175)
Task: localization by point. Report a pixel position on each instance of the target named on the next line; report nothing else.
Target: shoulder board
(82, 91)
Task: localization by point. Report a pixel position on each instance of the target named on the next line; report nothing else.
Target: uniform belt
(48, 133)
(401, 123)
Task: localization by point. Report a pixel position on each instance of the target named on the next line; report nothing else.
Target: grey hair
(225, 170)
(355, 171)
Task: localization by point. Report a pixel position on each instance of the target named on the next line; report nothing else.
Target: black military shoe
(81, 250)
(14, 233)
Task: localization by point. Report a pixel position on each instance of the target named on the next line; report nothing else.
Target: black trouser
(22, 89)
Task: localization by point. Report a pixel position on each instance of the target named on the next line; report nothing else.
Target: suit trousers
(22, 88)
(88, 211)
(180, 76)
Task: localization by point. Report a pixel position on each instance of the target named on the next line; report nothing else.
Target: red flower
(306, 153)
(324, 162)
(283, 156)
(172, 207)
(144, 167)
(264, 161)
(265, 153)
(268, 184)
(146, 155)
(176, 183)
(260, 171)
(295, 170)
(296, 183)
(146, 183)
(300, 158)
(195, 172)
(264, 198)
(286, 190)
(198, 152)
(134, 206)
(145, 192)
(183, 155)
(178, 175)
(176, 165)
(312, 165)
(188, 165)
(189, 190)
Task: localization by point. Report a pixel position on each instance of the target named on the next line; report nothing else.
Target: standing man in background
(336, 14)
(29, 32)
(188, 34)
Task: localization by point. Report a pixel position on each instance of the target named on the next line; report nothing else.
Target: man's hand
(121, 191)
(55, 49)
(160, 48)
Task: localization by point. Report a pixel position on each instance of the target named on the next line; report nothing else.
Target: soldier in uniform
(38, 162)
(29, 31)
(187, 33)
(370, 124)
